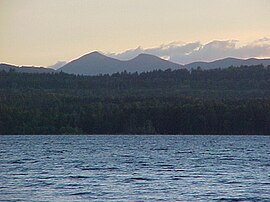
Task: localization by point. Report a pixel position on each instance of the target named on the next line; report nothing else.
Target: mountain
(146, 62)
(227, 62)
(95, 63)
(25, 69)
(57, 65)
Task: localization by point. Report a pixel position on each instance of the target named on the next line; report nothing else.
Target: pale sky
(42, 32)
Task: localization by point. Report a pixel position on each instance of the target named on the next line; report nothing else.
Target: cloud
(184, 53)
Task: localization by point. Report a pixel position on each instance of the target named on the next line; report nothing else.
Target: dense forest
(234, 100)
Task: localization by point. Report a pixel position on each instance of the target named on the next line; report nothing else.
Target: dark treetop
(218, 101)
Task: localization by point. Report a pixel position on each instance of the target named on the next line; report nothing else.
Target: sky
(45, 32)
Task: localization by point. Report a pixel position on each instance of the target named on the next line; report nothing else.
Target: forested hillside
(218, 101)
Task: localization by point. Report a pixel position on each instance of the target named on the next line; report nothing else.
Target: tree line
(235, 100)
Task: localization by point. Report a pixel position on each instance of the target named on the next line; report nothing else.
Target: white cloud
(184, 53)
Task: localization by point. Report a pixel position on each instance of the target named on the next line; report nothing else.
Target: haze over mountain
(57, 65)
(95, 63)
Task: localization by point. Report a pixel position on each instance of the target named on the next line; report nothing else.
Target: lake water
(134, 168)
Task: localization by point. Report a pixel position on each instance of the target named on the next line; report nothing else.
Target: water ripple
(134, 168)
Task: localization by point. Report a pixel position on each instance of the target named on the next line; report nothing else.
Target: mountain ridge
(25, 69)
(95, 63)
(227, 62)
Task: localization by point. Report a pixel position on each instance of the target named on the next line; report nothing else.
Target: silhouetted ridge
(25, 69)
(96, 63)
(93, 63)
(227, 62)
(145, 55)
(94, 54)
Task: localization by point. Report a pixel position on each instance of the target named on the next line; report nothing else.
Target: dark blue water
(135, 168)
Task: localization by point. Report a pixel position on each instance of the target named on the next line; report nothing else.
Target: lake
(134, 168)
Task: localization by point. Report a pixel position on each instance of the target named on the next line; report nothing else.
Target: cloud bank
(184, 53)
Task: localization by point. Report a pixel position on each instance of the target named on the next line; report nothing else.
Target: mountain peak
(94, 54)
(145, 55)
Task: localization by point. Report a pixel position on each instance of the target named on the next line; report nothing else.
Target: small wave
(28, 159)
(20, 174)
(227, 158)
(166, 165)
(125, 156)
(176, 178)
(184, 152)
(79, 177)
(229, 182)
(239, 199)
(98, 168)
(56, 151)
(144, 164)
(140, 178)
(161, 149)
(82, 193)
(179, 170)
(129, 162)
(73, 185)
(17, 162)
(134, 179)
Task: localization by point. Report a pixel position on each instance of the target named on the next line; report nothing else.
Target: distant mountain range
(96, 63)
(227, 62)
